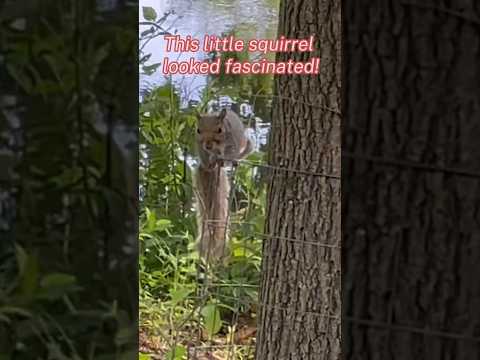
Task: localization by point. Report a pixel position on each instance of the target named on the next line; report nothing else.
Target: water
(197, 18)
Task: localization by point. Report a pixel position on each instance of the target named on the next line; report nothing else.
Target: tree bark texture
(410, 170)
(299, 315)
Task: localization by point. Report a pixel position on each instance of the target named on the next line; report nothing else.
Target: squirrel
(219, 137)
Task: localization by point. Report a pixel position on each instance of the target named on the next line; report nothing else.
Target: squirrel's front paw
(212, 159)
(216, 160)
(212, 165)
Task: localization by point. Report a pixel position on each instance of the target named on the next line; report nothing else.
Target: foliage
(257, 89)
(155, 27)
(25, 308)
(61, 295)
(170, 306)
(175, 304)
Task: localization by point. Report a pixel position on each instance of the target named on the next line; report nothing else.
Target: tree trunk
(410, 139)
(300, 290)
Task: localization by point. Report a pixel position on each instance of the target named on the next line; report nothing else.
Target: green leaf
(241, 250)
(124, 336)
(57, 280)
(177, 353)
(4, 319)
(150, 69)
(163, 224)
(149, 13)
(142, 356)
(12, 310)
(144, 58)
(212, 320)
(28, 265)
(147, 107)
(179, 294)
(150, 221)
(20, 77)
(101, 54)
(54, 66)
(22, 259)
(56, 285)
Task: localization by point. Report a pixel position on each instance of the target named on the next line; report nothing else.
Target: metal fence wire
(201, 348)
(233, 348)
(390, 324)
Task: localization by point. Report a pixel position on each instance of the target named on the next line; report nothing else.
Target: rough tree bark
(411, 232)
(300, 290)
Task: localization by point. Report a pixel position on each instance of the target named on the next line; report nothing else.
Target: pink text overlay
(211, 43)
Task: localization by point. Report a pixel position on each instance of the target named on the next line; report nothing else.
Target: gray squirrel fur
(219, 137)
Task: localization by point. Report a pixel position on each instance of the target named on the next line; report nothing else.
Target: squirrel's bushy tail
(212, 207)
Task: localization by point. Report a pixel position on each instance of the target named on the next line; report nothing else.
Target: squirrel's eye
(198, 131)
(219, 130)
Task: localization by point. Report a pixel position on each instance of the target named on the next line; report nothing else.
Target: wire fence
(234, 346)
(391, 325)
(206, 349)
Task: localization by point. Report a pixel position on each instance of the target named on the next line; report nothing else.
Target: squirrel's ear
(222, 114)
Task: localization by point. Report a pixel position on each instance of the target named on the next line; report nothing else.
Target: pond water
(197, 18)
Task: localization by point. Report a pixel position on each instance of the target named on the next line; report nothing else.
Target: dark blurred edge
(411, 180)
(68, 179)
